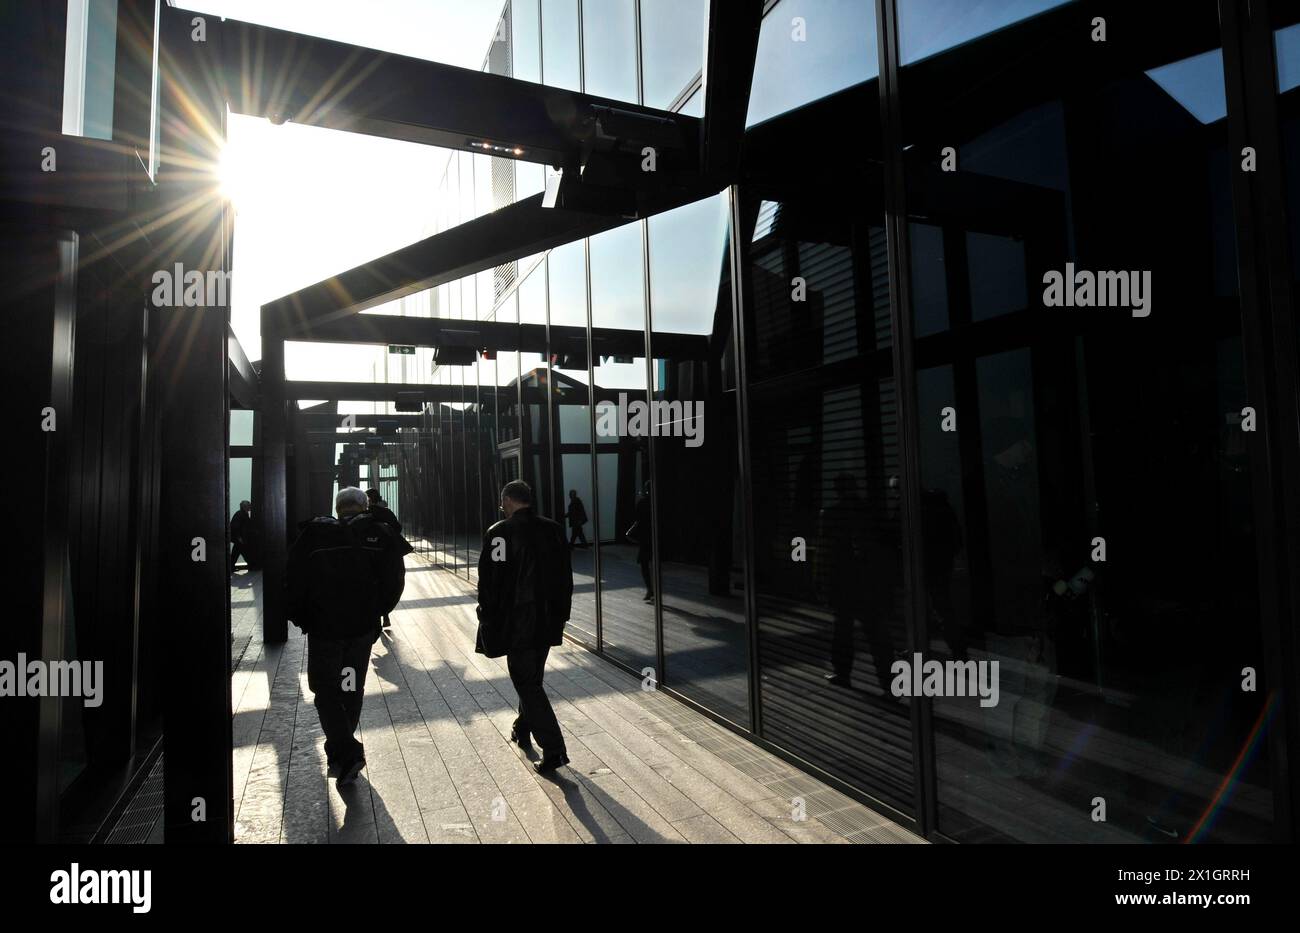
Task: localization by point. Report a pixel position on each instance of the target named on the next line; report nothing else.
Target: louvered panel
(828, 270)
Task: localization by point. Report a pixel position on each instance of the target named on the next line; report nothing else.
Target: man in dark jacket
(241, 528)
(525, 586)
(342, 575)
(577, 516)
(380, 510)
(644, 542)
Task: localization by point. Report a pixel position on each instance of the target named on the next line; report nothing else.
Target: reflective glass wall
(838, 473)
(1085, 460)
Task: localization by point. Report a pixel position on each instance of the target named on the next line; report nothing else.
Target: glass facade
(1068, 473)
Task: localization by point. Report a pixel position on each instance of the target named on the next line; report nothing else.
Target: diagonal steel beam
(728, 73)
(513, 232)
(319, 82)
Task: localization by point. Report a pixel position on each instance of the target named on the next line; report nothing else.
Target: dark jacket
(342, 575)
(577, 513)
(239, 526)
(644, 528)
(384, 514)
(523, 600)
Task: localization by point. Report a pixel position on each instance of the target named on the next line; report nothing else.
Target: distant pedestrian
(525, 586)
(343, 574)
(644, 542)
(380, 510)
(577, 516)
(241, 533)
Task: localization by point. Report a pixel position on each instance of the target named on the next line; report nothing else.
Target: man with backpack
(343, 575)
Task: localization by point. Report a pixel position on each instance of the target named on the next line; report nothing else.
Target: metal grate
(142, 814)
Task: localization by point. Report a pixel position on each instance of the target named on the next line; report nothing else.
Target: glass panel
(617, 280)
(241, 427)
(525, 46)
(567, 274)
(241, 484)
(609, 49)
(90, 56)
(932, 26)
(574, 490)
(808, 49)
(672, 40)
(824, 452)
(560, 44)
(532, 297)
(697, 460)
(1286, 45)
(472, 503)
(454, 33)
(535, 447)
(618, 339)
(1085, 482)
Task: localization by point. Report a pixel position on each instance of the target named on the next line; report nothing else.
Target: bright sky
(311, 202)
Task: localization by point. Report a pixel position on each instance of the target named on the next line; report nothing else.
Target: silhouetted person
(1026, 566)
(241, 532)
(379, 509)
(342, 575)
(577, 516)
(941, 541)
(644, 542)
(525, 586)
(856, 573)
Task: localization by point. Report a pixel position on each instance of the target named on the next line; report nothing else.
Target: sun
(239, 173)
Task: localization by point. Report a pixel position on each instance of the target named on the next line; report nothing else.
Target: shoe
(550, 763)
(838, 680)
(347, 775)
(523, 739)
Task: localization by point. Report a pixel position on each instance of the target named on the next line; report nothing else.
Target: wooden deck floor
(645, 768)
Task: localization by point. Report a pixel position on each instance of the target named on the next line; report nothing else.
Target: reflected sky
(1197, 84)
(928, 27)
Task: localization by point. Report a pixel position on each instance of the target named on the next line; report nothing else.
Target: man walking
(241, 526)
(525, 585)
(381, 512)
(577, 516)
(343, 574)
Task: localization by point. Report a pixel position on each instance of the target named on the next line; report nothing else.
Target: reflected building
(814, 540)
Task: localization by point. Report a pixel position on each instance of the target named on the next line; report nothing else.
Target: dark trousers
(576, 532)
(338, 696)
(644, 560)
(526, 668)
(877, 628)
(235, 555)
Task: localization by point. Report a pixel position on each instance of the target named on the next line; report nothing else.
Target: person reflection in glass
(644, 548)
(1025, 569)
(855, 577)
(941, 542)
(576, 514)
